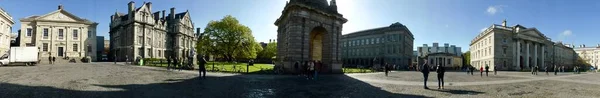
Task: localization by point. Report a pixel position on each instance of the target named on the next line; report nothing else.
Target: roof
(393, 26)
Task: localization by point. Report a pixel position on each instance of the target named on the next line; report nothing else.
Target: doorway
(316, 43)
(60, 51)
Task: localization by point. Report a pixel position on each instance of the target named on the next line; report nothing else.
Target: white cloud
(492, 10)
(567, 33)
(562, 36)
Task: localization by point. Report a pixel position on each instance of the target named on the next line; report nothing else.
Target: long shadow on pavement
(239, 86)
(460, 92)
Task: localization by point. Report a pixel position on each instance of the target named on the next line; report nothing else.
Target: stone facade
(310, 30)
(6, 24)
(517, 48)
(447, 48)
(391, 44)
(443, 59)
(143, 34)
(59, 34)
(591, 55)
(447, 55)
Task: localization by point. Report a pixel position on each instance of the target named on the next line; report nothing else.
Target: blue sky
(444, 21)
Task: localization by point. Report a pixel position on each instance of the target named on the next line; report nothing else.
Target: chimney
(60, 7)
(172, 14)
(156, 15)
(149, 4)
(504, 23)
(333, 5)
(131, 8)
(163, 14)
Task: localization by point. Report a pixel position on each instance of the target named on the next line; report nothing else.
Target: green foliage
(466, 58)
(227, 38)
(269, 52)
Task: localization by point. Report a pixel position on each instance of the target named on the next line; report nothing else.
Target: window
(45, 47)
(45, 33)
(75, 47)
(75, 34)
(60, 34)
(149, 41)
(449, 61)
(140, 39)
(149, 51)
(29, 30)
(89, 33)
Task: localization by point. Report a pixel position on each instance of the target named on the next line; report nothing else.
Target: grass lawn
(356, 70)
(230, 67)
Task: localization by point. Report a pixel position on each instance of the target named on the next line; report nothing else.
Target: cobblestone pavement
(109, 80)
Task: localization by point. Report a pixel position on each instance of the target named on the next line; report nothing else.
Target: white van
(20, 55)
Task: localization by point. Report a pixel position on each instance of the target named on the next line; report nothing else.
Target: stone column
(535, 55)
(526, 57)
(543, 54)
(518, 55)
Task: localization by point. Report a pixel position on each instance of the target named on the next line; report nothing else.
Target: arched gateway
(309, 30)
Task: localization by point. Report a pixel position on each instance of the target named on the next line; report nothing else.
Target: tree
(269, 52)
(466, 58)
(228, 39)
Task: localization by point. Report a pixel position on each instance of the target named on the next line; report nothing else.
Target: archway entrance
(316, 43)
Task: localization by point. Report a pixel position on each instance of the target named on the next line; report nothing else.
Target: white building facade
(591, 55)
(6, 24)
(59, 34)
(446, 56)
(517, 48)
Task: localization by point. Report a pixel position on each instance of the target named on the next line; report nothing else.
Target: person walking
(311, 69)
(481, 71)
(425, 71)
(385, 69)
(546, 69)
(175, 63)
(53, 60)
(202, 66)
(555, 69)
(487, 69)
(472, 69)
(50, 60)
(168, 63)
(495, 71)
(296, 67)
(440, 71)
(532, 70)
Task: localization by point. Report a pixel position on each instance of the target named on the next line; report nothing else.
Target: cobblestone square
(109, 80)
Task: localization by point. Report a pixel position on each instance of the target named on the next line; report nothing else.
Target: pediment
(60, 15)
(533, 33)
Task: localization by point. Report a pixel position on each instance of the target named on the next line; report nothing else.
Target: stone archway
(316, 43)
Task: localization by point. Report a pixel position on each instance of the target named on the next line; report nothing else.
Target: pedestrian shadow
(238, 86)
(460, 92)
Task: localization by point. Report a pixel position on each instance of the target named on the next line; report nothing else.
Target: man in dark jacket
(425, 71)
(202, 66)
(440, 71)
(386, 69)
(487, 69)
(472, 69)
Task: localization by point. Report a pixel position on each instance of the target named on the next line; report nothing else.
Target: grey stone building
(141, 33)
(518, 48)
(392, 44)
(310, 30)
(446, 55)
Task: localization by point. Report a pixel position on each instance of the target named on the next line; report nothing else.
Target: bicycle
(278, 70)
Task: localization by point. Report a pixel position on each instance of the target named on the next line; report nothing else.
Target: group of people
(51, 59)
(440, 75)
(176, 63)
(309, 69)
(471, 69)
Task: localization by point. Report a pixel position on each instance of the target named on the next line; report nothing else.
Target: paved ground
(108, 80)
